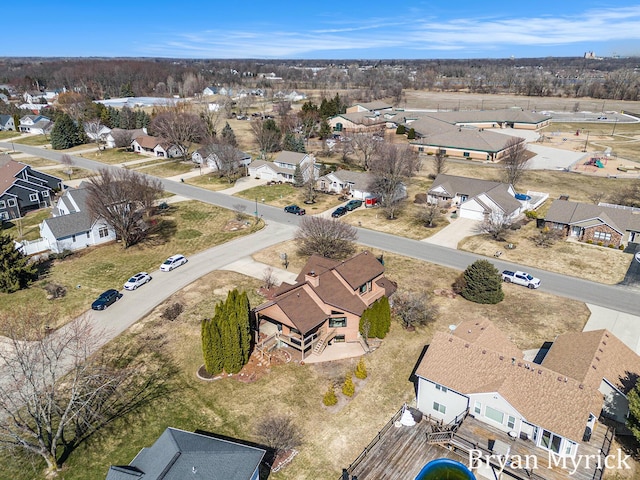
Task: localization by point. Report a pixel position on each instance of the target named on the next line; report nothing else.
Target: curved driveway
(621, 298)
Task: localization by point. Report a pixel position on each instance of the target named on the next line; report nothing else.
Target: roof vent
(527, 366)
(519, 364)
(484, 352)
(513, 360)
(604, 343)
(581, 387)
(565, 379)
(466, 345)
(559, 379)
(598, 358)
(450, 339)
(594, 367)
(469, 331)
(501, 357)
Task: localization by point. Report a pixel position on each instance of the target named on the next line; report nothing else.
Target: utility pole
(614, 127)
(586, 142)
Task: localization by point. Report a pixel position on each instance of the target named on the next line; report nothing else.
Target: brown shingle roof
(9, 168)
(591, 356)
(485, 333)
(540, 395)
(360, 269)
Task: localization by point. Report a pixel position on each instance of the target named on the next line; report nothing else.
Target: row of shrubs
(348, 388)
(601, 244)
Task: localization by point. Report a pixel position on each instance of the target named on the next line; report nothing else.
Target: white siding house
(283, 167)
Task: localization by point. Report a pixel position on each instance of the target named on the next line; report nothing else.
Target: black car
(338, 212)
(105, 299)
(295, 209)
(353, 204)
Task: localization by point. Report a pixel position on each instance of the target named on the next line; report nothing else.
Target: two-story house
(325, 304)
(23, 189)
(36, 124)
(72, 226)
(283, 167)
(7, 123)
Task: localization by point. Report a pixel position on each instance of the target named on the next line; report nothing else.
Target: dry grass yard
(332, 437)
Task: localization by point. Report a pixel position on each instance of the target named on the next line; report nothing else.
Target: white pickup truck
(521, 278)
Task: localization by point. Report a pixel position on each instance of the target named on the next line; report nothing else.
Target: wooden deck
(399, 452)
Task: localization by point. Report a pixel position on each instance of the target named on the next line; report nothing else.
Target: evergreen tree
(377, 318)
(114, 117)
(633, 422)
(325, 130)
(15, 270)
(65, 133)
(126, 90)
(298, 178)
(330, 397)
(411, 135)
(401, 130)
(142, 119)
(361, 369)
(244, 325)
(293, 143)
(482, 283)
(348, 388)
(212, 346)
(383, 314)
(228, 135)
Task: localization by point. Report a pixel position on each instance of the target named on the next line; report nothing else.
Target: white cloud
(414, 33)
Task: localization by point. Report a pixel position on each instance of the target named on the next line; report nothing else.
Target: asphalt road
(619, 297)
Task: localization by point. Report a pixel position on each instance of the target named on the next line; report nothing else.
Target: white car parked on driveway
(173, 262)
(137, 280)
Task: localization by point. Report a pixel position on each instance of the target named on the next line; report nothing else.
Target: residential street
(622, 298)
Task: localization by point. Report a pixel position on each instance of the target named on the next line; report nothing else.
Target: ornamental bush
(348, 388)
(361, 369)
(483, 283)
(330, 397)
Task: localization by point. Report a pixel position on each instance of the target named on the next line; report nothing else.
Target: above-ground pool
(445, 469)
(522, 196)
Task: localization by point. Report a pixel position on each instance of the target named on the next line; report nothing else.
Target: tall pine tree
(15, 270)
(65, 133)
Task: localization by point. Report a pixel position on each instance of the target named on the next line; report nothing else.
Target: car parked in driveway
(295, 209)
(137, 280)
(173, 262)
(105, 299)
(353, 204)
(338, 212)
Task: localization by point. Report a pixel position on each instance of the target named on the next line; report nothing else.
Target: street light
(256, 212)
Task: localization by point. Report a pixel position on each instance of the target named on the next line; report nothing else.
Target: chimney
(312, 278)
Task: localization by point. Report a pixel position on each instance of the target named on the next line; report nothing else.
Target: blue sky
(279, 29)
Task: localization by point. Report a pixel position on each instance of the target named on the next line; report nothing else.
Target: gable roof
(150, 142)
(79, 220)
(299, 301)
(360, 180)
(575, 213)
(467, 139)
(473, 187)
(542, 396)
(178, 454)
(591, 356)
(293, 158)
(9, 168)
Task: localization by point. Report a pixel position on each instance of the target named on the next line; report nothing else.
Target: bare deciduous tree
(227, 159)
(364, 145)
(269, 278)
(439, 163)
(94, 131)
(240, 210)
(329, 238)
(68, 163)
(495, 225)
(514, 161)
(123, 198)
(267, 134)
(179, 127)
(122, 137)
(414, 308)
(279, 432)
(429, 214)
(391, 166)
(309, 189)
(546, 237)
(52, 395)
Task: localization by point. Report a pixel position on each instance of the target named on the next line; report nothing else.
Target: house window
(339, 339)
(551, 441)
(466, 154)
(443, 151)
(3, 204)
(477, 408)
(103, 232)
(44, 193)
(4, 216)
(442, 388)
(511, 422)
(439, 407)
(493, 414)
(363, 288)
(601, 236)
(11, 202)
(421, 149)
(338, 322)
(33, 197)
(557, 226)
(569, 445)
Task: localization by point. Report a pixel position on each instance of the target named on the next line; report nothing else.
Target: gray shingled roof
(467, 139)
(574, 213)
(79, 221)
(293, 158)
(178, 454)
(360, 180)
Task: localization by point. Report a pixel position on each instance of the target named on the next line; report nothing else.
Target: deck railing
(375, 440)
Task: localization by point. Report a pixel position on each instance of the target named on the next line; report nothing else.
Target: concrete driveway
(623, 325)
(451, 235)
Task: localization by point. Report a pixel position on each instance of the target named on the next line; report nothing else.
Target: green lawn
(34, 140)
(114, 155)
(187, 227)
(27, 227)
